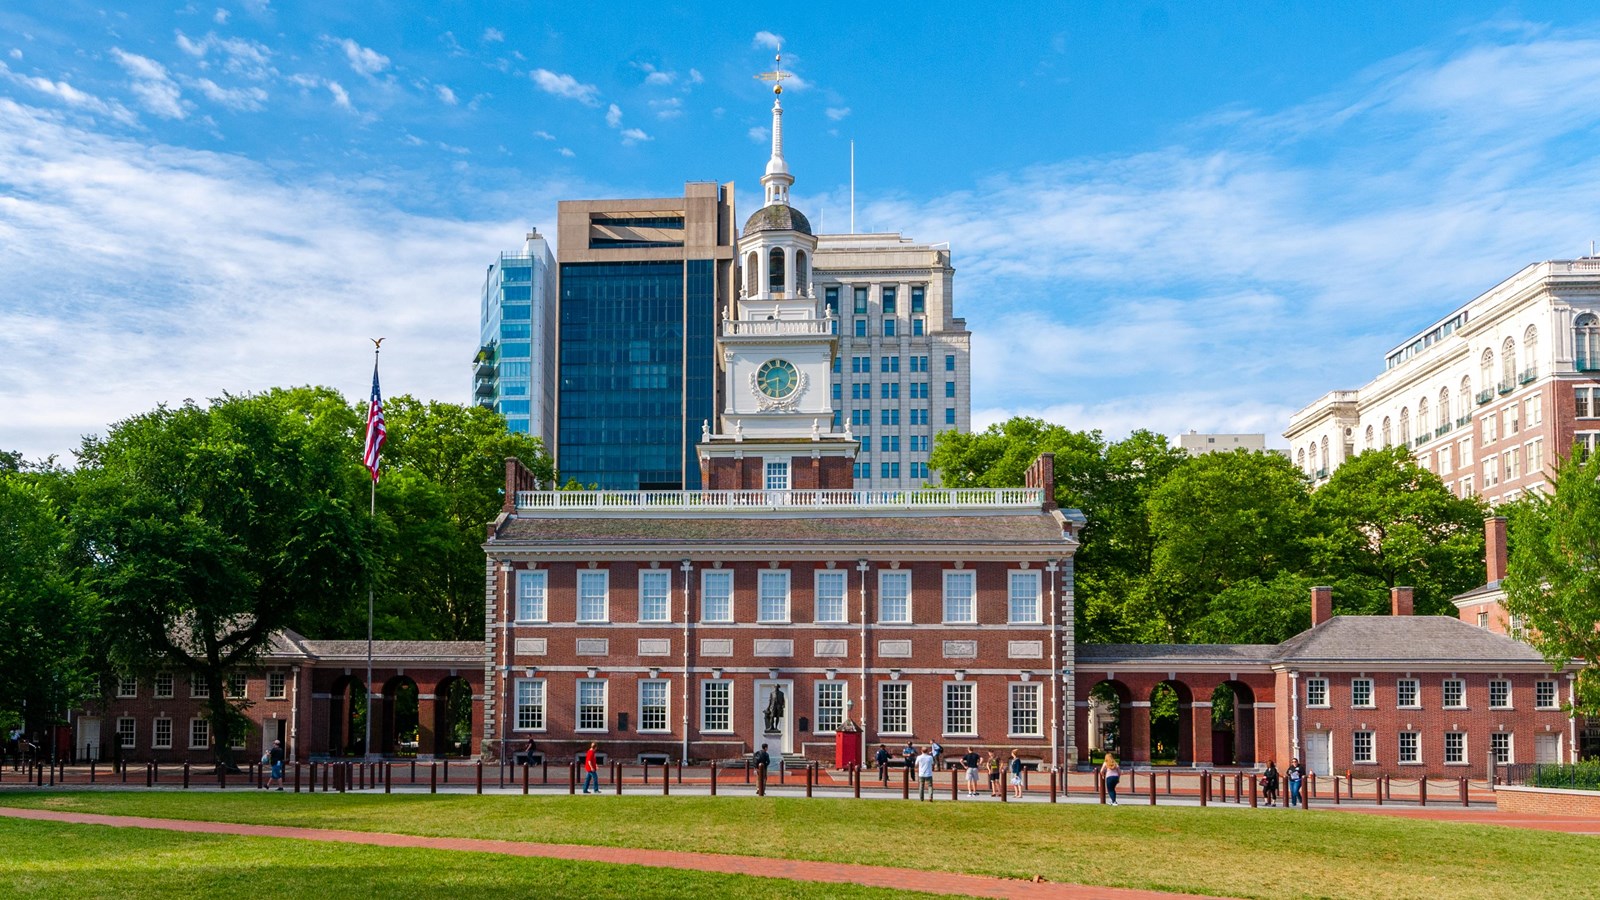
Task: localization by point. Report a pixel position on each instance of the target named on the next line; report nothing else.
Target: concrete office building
(1197, 444)
(514, 371)
(1489, 397)
(641, 286)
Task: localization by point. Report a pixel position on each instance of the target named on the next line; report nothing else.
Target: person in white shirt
(925, 774)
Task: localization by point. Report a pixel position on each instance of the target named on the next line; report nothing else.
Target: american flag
(376, 433)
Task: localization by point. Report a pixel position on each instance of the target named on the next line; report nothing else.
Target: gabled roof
(287, 644)
(848, 532)
(1177, 654)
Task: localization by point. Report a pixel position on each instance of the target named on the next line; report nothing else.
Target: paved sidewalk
(1479, 816)
(794, 870)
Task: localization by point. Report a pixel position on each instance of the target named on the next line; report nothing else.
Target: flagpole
(372, 513)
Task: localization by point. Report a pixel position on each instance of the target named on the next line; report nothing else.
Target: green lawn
(48, 859)
(1238, 852)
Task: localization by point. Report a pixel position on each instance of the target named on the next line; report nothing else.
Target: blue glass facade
(637, 372)
(512, 371)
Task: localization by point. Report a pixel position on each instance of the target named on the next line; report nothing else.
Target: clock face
(777, 378)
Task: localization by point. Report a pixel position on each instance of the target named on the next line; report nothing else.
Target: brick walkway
(794, 870)
(1480, 816)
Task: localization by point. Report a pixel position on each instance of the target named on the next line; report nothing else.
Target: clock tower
(775, 349)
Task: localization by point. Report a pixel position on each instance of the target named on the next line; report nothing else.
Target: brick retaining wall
(1547, 801)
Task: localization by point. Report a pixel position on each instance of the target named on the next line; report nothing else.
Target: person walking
(924, 764)
(1016, 775)
(1111, 774)
(992, 763)
(970, 761)
(1294, 775)
(882, 759)
(275, 759)
(762, 759)
(591, 771)
(1269, 783)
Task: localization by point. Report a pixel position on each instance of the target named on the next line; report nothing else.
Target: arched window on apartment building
(1405, 426)
(1312, 469)
(1369, 437)
(1586, 342)
(1487, 365)
(1530, 355)
(1300, 459)
(1422, 418)
(1444, 408)
(1508, 365)
(1327, 461)
(1464, 402)
(1386, 441)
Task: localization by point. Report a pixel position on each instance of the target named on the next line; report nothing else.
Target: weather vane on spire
(777, 75)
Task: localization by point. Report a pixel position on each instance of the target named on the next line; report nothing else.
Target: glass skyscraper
(641, 283)
(514, 369)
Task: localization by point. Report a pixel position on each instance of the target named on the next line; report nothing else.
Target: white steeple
(777, 179)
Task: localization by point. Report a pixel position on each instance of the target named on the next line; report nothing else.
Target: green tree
(48, 663)
(1553, 580)
(212, 528)
(1220, 520)
(444, 481)
(1383, 521)
(1256, 611)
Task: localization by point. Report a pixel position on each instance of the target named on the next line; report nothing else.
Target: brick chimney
(1321, 605)
(1042, 475)
(1399, 601)
(1494, 547)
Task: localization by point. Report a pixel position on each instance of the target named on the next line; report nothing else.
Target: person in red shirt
(591, 773)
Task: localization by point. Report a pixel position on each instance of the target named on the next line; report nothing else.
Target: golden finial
(777, 75)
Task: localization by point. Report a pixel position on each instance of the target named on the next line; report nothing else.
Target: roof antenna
(852, 187)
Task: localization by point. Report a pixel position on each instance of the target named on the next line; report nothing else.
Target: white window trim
(1372, 694)
(1511, 747)
(605, 609)
(1555, 696)
(1399, 757)
(1416, 694)
(1443, 704)
(971, 577)
(195, 688)
(1466, 749)
(704, 706)
(282, 691)
(172, 685)
(209, 736)
(715, 574)
(816, 699)
(516, 701)
(605, 706)
(1510, 695)
(1372, 743)
(1012, 689)
(844, 596)
(882, 707)
(154, 732)
(524, 576)
(1038, 600)
(944, 710)
(885, 575)
(133, 733)
(666, 607)
(1327, 700)
(132, 692)
(762, 576)
(767, 464)
(666, 696)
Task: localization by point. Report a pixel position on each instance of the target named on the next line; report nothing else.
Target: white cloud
(248, 98)
(16, 53)
(341, 97)
(614, 115)
(156, 90)
(837, 112)
(445, 94)
(695, 77)
(634, 136)
(363, 60)
(240, 56)
(661, 78)
(213, 274)
(759, 134)
(564, 85)
(545, 135)
(768, 40)
(220, 16)
(493, 36)
(667, 108)
(71, 96)
(567, 152)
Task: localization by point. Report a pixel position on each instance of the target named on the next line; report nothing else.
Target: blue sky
(1163, 215)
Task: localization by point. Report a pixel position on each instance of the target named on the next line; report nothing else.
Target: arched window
(1422, 418)
(1386, 440)
(1530, 350)
(800, 284)
(1312, 469)
(1444, 407)
(775, 271)
(752, 275)
(1586, 343)
(1508, 365)
(1405, 426)
(1369, 437)
(1487, 365)
(1464, 404)
(1300, 459)
(1327, 461)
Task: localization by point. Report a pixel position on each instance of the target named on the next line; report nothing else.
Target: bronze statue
(775, 708)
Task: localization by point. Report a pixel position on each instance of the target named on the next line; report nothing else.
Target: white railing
(768, 327)
(955, 498)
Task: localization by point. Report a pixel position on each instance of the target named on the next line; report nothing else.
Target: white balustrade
(956, 498)
(771, 327)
